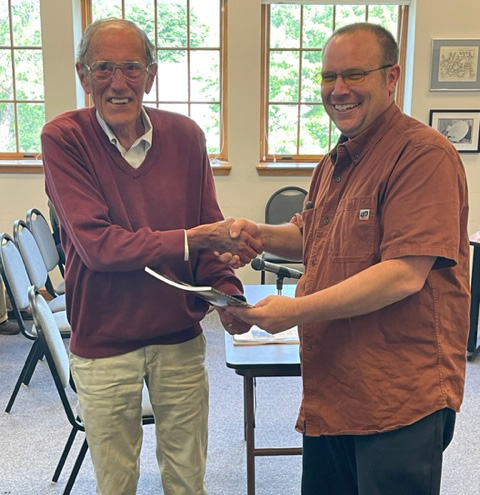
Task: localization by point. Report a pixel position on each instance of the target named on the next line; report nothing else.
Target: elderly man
(132, 187)
(383, 306)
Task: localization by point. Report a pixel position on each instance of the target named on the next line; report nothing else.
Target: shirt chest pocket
(353, 231)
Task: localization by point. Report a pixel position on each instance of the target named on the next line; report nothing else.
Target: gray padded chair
(59, 364)
(280, 208)
(17, 282)
(40, 229)
(35, 264)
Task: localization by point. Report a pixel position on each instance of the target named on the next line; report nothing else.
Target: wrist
(197, 237)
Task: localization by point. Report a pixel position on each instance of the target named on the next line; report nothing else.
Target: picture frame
(460, 127)
(455, 65)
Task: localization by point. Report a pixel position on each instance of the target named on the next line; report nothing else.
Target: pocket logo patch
(364, 214)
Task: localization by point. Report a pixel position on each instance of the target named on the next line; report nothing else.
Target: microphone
(282, 271)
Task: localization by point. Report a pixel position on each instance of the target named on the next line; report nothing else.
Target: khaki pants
(110, 393)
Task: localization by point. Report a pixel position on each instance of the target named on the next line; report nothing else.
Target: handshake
(235, 242)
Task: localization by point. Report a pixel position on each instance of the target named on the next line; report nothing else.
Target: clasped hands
(236, 243)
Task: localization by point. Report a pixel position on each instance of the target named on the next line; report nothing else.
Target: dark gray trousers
(399, 462)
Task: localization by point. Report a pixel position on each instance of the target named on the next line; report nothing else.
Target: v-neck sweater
(116, 219)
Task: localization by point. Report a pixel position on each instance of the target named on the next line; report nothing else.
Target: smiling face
(354, 108)
(118, 101)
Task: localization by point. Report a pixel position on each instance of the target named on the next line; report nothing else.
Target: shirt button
(309, 347)
(357, 156)
(314, 262)
(325, 221)
(338, 178)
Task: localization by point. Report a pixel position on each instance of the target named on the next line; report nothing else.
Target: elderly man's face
(118, 100)
(355, 107)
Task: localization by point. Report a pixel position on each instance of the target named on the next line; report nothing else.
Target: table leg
(249, 413)
(472, 336)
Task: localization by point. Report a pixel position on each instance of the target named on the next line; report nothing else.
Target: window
(295, 125)
(189, 37)
(22, 105)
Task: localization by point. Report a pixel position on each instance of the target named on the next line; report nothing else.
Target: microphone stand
(280, 284)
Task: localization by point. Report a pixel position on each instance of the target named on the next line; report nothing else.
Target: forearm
(374, 288)
(283, 240)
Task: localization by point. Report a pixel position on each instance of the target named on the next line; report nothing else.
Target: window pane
(314, 130)
(29, 74)
(282, 132)
(172, 75)
(174, 107)
(6, 75)
(385, 15)
(284, 78)
(142, 13)
(208, 118)
(106, 8)
(348, 14)
(26, 23)
(172, 23)
(311, 69)
(4, 25)
(285, 26)
(205, 23)
(205, 75)
(317, 25)
(31, 119)
(7, 128)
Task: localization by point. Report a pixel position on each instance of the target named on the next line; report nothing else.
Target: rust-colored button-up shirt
(398, 189)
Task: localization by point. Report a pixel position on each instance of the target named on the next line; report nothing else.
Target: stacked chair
(22, 265)
(58, 362)
(40, 229)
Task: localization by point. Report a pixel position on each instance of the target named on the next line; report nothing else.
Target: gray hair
(386, 41)
(102, 24)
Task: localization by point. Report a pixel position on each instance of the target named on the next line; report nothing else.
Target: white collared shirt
(139, 149)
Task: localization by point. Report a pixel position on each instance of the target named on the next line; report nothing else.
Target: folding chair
(59, 364)
(35, 264)
(17, 282)
(40, 229)
(280, 208)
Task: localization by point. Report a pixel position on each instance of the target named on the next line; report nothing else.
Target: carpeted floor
(32, 436)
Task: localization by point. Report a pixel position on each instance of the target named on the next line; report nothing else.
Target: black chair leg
(21, 379)
(76, 468)
(33, 363)
(64, 455)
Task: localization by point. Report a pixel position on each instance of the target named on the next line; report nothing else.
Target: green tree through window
(22, 105)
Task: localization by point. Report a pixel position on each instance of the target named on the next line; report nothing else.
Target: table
(260, 361)
(473, 345)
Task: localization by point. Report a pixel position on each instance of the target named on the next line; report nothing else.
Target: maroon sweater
(116, 220)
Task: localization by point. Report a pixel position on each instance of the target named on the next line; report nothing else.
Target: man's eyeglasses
(349, 77)
(105, 69)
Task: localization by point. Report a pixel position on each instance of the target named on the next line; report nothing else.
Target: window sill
(220, 167)
(36, 167)
(21, 167)
(290, 168)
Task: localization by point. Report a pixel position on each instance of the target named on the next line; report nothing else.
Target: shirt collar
(358, 146)
(146, 137)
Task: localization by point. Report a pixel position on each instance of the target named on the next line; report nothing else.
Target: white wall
(244, 192)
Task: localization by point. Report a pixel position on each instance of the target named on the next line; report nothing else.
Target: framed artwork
(460, 127)
(455, 65)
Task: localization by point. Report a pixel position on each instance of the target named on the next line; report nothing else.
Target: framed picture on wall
(455, 65)
(460, 127)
